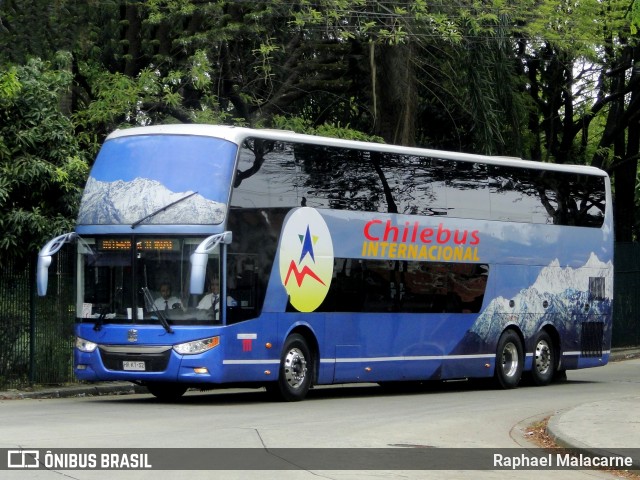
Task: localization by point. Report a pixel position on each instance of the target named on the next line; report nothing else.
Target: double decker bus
(332, 261)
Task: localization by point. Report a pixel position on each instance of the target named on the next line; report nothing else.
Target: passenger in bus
(211, 301)
(167, 301)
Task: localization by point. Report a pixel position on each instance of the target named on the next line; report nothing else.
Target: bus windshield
(144, 280)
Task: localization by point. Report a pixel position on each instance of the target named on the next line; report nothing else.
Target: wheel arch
(552, 331)
(518, 331)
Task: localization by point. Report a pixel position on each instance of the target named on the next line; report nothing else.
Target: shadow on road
(259, 395)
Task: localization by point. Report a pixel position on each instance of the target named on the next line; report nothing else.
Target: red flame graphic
(301, 274)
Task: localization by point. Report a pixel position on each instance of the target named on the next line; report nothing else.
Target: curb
(620, 354)
(564, 441)
(564, 436)
(116, 388)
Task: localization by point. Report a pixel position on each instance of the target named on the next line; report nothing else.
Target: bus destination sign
(121, 244)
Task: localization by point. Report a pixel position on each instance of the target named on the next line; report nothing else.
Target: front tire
(296, 370)
(509, 360)
(166, 391)
(544, 360)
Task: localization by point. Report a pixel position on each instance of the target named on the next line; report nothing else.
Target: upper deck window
(280, 174)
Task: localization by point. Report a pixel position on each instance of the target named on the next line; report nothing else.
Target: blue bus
(212, 256)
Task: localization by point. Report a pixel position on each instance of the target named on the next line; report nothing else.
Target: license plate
(136, 366)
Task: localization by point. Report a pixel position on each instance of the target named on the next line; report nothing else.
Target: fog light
(201, 370)
(81, 367)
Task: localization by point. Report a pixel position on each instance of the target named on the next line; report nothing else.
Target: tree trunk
(395, 94)
(625, 173)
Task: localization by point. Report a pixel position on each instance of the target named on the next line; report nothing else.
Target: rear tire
(544, 360)
(296, 371)
(166, 391)
(509, 360)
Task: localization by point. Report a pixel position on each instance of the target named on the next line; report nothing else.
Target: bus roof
(238, 134)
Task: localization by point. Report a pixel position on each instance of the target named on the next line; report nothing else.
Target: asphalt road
(430, 419)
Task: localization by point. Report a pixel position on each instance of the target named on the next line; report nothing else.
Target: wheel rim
(295, 368)
(510, 360)
(543, 357)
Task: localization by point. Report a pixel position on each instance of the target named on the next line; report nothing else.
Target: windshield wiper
(99, 321)
(161, 209)
(149, 299)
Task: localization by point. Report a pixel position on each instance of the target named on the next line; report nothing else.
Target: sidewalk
(588, 427)
(603, 428)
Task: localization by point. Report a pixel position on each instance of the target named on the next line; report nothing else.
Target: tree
(42, 166)
(579, 60)
(39, 28)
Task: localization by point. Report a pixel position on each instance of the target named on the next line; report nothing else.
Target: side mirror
(198, 272)
(45, 257)
(200, 257)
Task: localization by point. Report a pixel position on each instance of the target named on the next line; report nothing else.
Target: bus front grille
(153, 362)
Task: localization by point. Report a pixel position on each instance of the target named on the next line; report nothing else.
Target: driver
(166, 301)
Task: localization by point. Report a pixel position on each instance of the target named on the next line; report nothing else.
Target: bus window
(410, 287)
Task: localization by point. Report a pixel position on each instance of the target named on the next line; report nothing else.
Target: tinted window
(266, 177)
(251, 256)
(410, 287)
(538, 196)
(278, 174)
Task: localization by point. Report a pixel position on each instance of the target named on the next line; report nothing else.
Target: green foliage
(634, 17)
(9, 85)
(301, 125)
(42, 167)
(39, 28)
(151, 97)
(570, 26)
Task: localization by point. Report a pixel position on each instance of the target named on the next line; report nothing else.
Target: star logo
(307, 245)
(307, 241)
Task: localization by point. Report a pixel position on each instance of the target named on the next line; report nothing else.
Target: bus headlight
(85, 345)
(197, 346)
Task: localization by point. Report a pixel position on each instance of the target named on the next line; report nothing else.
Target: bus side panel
(252, 350)
(387, 347)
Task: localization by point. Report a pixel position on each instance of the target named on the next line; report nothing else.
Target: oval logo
(306, 259)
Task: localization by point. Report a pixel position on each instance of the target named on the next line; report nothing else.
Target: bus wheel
(509, 360)
(294, 379)
(166, 391)
(544, 361)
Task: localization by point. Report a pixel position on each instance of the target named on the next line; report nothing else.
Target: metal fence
(626, 299)
(36, 334)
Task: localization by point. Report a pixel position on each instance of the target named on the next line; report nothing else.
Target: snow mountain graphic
(565, 297)
(120, 202)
